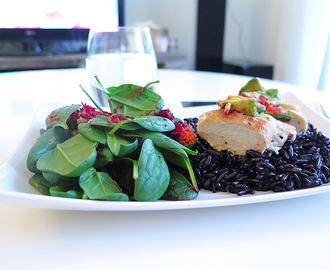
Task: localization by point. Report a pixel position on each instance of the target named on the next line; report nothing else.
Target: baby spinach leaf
(160, 140)
(153, 175)
(101, 121)
(59, 116)
(70, 158)
(179, 188)
(100, 186)
(134, 100)
(155, 123)
(114, 197)
(40, 184)
(104, 157)
(191, 145)
(59, 180)
(92, 133)
(47, 141)
(151, 123)
(125, 172)
(120, 146)
(176, 158)
(180, 158)
(179, 152)
(67, 192)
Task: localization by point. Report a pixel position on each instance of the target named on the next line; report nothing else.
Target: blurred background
(285, 40)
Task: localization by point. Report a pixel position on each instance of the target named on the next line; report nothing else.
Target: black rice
(302, 163)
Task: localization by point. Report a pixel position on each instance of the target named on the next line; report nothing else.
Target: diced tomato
(183, 133)
(276, 110)
(263, 100)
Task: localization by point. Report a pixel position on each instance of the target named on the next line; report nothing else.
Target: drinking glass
(125, 55)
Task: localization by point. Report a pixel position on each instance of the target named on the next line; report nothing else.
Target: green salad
(135, 152)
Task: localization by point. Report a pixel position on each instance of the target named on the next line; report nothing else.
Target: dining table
(280, 233)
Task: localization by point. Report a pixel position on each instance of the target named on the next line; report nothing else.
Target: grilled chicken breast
(239, 133)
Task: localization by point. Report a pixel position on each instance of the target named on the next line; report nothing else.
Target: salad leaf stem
(154, 82)
(102, 86)
(94, 102)
(191, 174)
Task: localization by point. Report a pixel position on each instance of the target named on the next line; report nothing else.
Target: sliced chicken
(239, 133)
(298, 120)
(283, 132)
(288, 106)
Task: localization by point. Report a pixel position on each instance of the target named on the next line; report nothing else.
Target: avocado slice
(246, 106)
(252, 85)
(254, 89)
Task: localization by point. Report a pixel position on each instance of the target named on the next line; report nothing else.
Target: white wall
(254, 22)
(291, 35)
(251, 30)
(179, 16)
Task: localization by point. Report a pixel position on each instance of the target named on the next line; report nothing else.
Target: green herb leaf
(280, 115)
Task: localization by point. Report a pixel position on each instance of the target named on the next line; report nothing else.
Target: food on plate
(252, 120)
(139, 151)
(238, 132)
(273, 105)
(302, 163)
(125, 154)
(236, 154)
(298, 120)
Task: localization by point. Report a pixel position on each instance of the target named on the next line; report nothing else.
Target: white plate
(15, 189)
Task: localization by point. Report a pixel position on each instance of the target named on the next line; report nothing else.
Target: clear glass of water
(125, 55)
